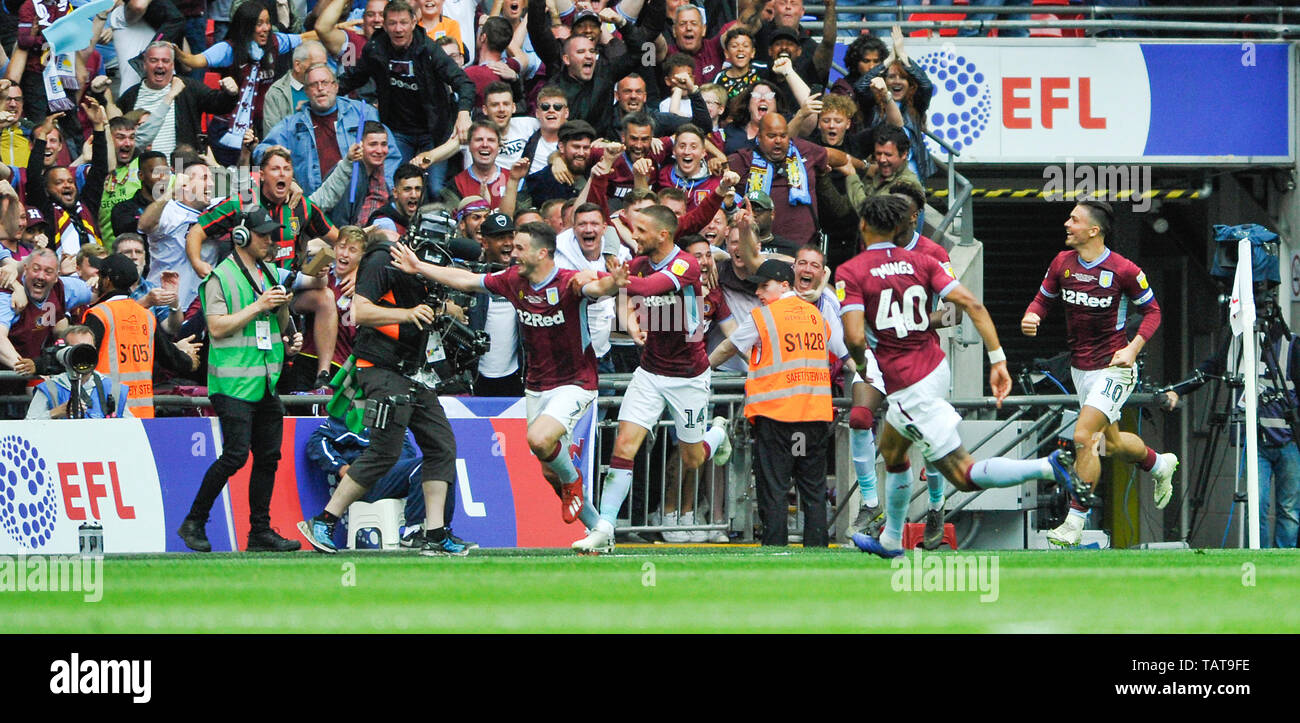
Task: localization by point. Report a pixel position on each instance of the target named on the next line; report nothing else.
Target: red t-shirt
(327, 140)
(554, 319)
(347, 326)
(620, 176)
(469, 185)
(696, 189)
(894, 289)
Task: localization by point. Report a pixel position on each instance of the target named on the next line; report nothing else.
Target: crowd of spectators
(344, 120)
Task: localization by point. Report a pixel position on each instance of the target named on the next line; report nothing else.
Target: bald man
(786, 169)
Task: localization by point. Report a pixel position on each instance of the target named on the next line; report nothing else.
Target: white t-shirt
(600, 314)
(542, 156)
(129, 40)
(683, 108)
(167, 250)
(462, 11)
(502, 328)
(149, 99)
(521, 128)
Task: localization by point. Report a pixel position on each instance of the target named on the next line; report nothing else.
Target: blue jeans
(1280, 464)
(984, 17)
(412, 144)
(196, 33)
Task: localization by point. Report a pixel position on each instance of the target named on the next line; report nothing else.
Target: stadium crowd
(339, 122)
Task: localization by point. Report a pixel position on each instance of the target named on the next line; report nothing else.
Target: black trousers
(786, 452)
(245, 426)
(511, 385)
(428, 425)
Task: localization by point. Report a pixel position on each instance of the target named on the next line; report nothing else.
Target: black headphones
(241, 235)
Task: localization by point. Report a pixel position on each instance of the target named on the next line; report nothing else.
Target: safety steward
(787, 400)
(128, 336)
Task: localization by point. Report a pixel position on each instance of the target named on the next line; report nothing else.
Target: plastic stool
(914, 532)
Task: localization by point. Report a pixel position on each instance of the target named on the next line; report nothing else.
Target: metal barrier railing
(1148, 19)
(723, 499)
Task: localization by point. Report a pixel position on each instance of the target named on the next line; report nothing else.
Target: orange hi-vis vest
(126, 352)
(789, 368)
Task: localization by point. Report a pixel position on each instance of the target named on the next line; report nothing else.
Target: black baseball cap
(784, 32)
(259, 221)
(576, 129)
(775, 271)
(118, 269)
(495, 224)
(583, 15)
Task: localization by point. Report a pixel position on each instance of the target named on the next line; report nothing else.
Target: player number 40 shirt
(894, 289)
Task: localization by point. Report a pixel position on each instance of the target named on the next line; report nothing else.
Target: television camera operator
(1278, 369)
(408, 348)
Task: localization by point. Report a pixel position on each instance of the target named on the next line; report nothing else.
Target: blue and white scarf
(761, 174)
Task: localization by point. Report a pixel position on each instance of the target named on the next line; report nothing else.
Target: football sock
(934, 483)
(863, 442)
(713, 439)
(1148, 463)
(618, 482)
(898, 493)
(326, 516)
(561, 464)
(436, 535)
(587, 515)
(1003, 472)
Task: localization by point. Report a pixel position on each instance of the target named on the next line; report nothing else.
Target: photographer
(247, 309)
(95, 395)
(1279, 458)
(393, 349)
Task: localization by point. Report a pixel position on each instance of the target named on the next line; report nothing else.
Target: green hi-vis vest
(236, 367)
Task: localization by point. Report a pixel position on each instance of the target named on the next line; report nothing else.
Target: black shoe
(413, 538)
(195, 537)
(270, 541)
(933, 536)
(322, 380)
(468, 545)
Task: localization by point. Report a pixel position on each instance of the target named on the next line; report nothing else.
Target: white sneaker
(722, 454)
(688, 518)
(718, 537)
(1069, 533)
(1163, 474)
(675, 537)
(600, 539)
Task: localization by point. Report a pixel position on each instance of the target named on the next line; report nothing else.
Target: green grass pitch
(659, 589)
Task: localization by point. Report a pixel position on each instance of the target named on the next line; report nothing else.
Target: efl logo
(967, 102)
(28, 503)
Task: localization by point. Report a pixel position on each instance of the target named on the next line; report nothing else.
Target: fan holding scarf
(786, 169)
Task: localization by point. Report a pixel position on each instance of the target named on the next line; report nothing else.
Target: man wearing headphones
(246, 308)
